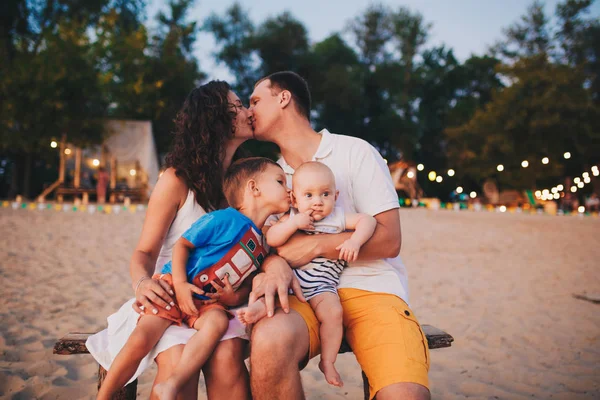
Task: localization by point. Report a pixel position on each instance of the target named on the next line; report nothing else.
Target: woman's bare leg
(144, 337)
(211, 327)
(166, 362)
(225, 372)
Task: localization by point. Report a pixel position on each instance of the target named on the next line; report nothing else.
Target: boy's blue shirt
(226, 242)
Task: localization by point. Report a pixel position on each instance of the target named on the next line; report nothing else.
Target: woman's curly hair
(202, 127)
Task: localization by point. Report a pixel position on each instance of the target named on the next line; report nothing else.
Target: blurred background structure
(523, 116)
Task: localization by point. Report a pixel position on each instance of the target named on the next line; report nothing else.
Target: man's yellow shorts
(383, 333)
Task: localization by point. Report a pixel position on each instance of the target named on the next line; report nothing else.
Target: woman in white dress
(210, 127)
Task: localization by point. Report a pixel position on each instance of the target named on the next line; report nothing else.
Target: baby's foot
(331, 374)
(253, 313)
(165, 391)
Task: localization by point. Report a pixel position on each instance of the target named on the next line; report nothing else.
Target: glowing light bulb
(472, 195)
(545, 160)
(67, 151)
(410, 174)
(567, 155)
(439, 179)
(95, 162)
(581, 209)
(420, 167)
(432, 175)
(560, 188)
(524, 163)
(459, 190)
(450, 172)
(500, 167)
(132, 172)
(53, 144)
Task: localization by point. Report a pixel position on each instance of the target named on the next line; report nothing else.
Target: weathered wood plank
(129, 392)
(74, 343)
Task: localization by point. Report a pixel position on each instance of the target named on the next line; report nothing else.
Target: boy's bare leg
(328, 310)
(253, 313)
(144, 337)
(211, 327)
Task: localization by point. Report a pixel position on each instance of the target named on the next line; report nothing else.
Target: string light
(459, 190)
(524, 163)
(556, 196)
(502, 208)
(53, 144)
(500, 167)
(581, 209)
(439, 179)
(95, 162)
(538, 193)
(67, 151)
(577, 179)
(580, 185)
(431, 175)
(450, 172)
(472, 195)
(410, 174)
(560, 188)
(573, 189)
(132, 172)
(545, 160)
(567, 155)
(420, 167)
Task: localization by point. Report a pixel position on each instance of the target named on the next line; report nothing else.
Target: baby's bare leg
(144, 337)
(211, 327)
(254, 313)
(328, 310)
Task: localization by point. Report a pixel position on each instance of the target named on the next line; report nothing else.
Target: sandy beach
(501, 284)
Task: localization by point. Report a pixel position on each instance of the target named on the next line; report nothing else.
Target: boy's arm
(183, 289)
(279, 233)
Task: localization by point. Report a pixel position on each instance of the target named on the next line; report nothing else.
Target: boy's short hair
(239, 173)
(296, 85)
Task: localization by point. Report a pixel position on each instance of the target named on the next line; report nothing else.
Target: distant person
(313, 197)
(592, 203)
(101, 185)
(205, 258)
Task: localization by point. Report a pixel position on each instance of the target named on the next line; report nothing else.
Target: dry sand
(501, 284)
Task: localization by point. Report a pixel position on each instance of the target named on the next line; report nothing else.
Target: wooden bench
(74, 343)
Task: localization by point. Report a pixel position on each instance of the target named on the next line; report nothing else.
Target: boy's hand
(184, 291)
(226, 295)
(348, 250)
(304, 220)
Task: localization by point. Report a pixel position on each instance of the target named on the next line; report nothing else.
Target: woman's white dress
(105, 345)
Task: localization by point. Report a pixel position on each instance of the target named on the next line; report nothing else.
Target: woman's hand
(151, 294)
(277, 279)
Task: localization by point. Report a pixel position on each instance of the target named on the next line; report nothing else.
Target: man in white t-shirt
(379, 326)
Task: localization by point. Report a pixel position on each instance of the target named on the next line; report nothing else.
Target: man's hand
(299, 250)
(277, 279)
(304, 220)
(348, 250)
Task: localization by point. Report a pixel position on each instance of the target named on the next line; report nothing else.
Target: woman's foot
(253, 313)
(165, 391)
(331, 374)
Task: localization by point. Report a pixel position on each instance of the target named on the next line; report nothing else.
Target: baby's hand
(304, 220)
(348, 250)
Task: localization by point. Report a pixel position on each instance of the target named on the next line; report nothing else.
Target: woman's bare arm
(167, 197)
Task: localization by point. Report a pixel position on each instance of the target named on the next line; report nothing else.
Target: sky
(467, 26)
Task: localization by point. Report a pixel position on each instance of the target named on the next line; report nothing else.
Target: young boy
(217, 253)
(313, 197)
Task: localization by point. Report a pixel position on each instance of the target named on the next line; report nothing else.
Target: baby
(313, 199)
(216, 254)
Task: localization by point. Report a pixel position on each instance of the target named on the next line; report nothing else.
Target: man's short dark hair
(296, 85)
(239, 173)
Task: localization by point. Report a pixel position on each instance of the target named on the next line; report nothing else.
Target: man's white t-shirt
(365, 185)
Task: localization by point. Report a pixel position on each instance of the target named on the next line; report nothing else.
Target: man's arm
(386, 241)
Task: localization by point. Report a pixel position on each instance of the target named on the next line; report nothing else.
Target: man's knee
(404, 390)
(281, 338)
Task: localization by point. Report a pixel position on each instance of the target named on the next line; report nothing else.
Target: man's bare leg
(279, 345)
(225, 372)
(167, 362)
(329, 312)
(404, 390)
